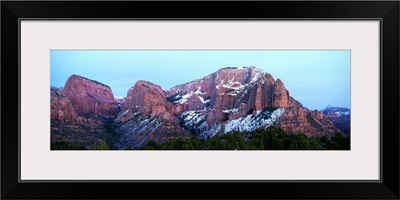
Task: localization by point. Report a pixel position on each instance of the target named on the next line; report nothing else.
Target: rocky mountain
(147, 115)
(340, 118)
(81, 112)
(230, 99)
(242, 99)
(90, 97)
(336, 111)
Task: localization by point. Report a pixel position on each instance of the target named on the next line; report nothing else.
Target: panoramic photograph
(205, 100)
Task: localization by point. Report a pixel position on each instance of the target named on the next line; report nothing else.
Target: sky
(316, 78)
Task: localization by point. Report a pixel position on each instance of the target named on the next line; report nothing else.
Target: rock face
(147, 115)
(90, 97)
(147, 99)
(60, 106)
(311, 123)
(233, 94)
(229, 89)
(280, 95)
(81, 111)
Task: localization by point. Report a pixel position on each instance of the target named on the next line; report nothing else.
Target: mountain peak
(336, 110)
(90, 97)
(243, 67)
(329, 107)
(75, 76)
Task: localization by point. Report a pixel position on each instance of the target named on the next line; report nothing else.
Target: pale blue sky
(315, 78)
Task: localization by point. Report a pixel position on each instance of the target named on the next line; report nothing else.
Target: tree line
(272, 138)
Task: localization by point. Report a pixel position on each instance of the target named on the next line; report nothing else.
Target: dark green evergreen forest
(271, 138)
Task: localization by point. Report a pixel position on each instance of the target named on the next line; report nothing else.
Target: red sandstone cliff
(234, 93)
(80, 112)
(147, 115)
(90, 97)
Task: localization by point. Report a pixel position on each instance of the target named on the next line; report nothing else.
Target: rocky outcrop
(227, 89)
(294, 102)
(81, 112)
(311, 123)
(147, 115)
(90, 97)
(146, 98)
(60, 106)
(280, 97)
(139, 129)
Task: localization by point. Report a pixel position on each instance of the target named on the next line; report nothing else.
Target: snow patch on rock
(233, 110)
(194, 120)
(249, 123)
(185, 97)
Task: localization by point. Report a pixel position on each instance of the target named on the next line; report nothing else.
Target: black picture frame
(386, 11)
